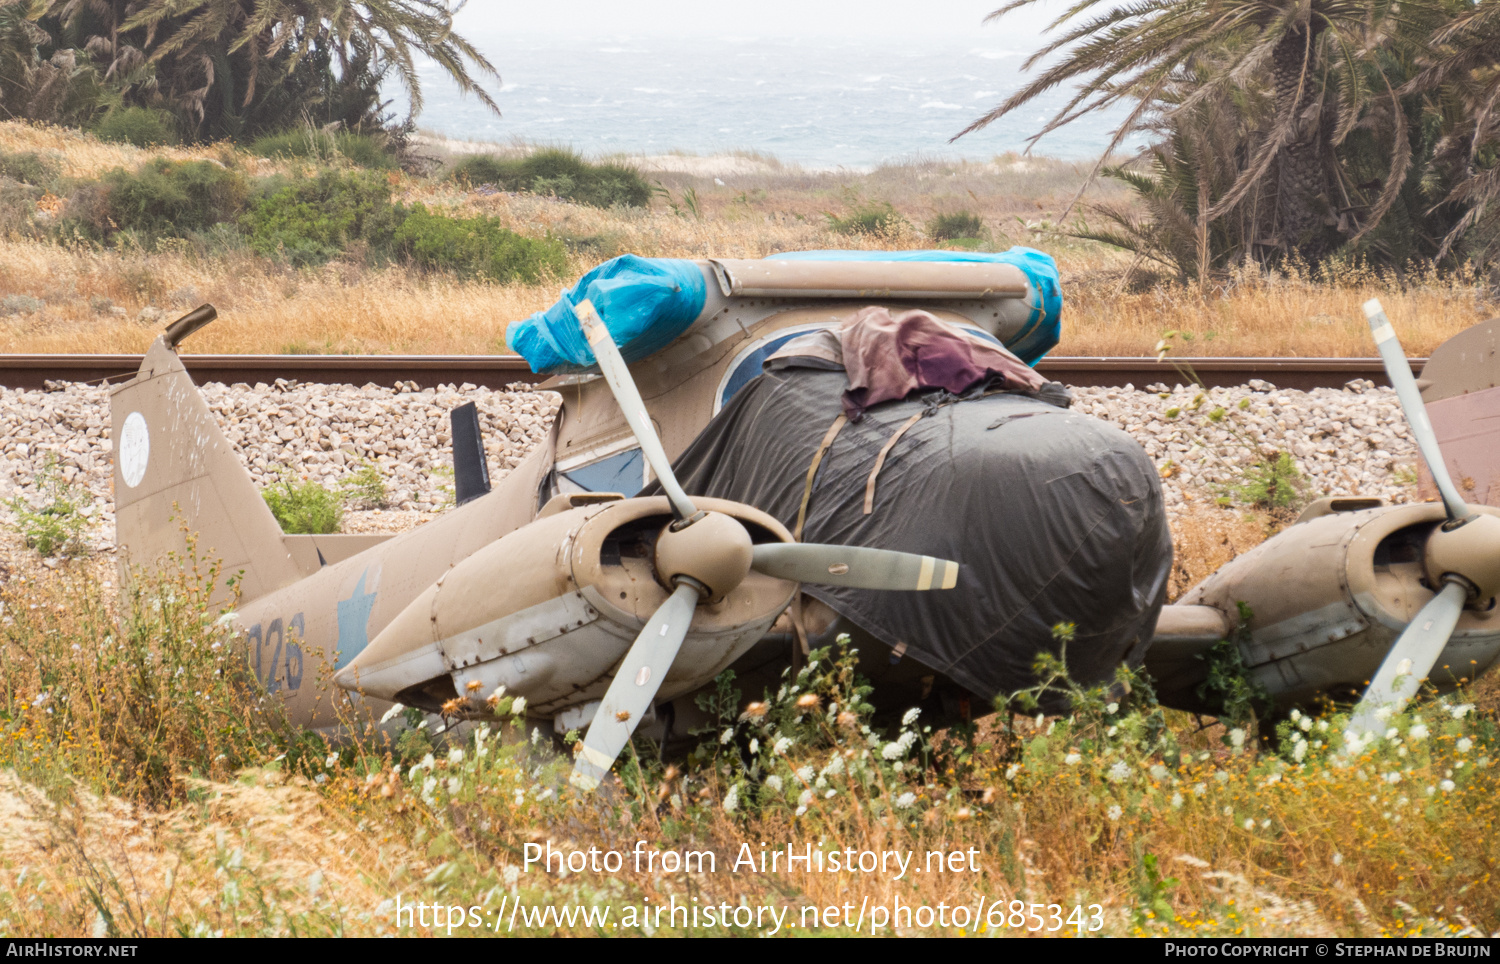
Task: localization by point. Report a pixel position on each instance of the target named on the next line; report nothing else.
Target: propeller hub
(1469, 550)
(714, 551)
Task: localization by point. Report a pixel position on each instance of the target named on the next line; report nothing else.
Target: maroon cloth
(889, 357)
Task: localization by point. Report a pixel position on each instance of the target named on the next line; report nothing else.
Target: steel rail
(497, 371)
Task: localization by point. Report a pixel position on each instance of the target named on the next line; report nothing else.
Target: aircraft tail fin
(176, 473)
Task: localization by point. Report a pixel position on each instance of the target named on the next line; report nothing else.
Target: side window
(623, 472)
(748, 367)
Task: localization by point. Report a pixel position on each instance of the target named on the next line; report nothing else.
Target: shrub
(28, 168)
(304, 508)
(56, 526)
(951, 227)
(140, 126)
(477, 246)
(362, 150)
(171, 198)
(309, 222)
(560, 173)
(874, 218)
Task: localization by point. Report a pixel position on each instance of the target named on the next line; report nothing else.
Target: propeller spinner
(1461, 558)
(705, 555)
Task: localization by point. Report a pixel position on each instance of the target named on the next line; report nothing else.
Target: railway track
(497, 371)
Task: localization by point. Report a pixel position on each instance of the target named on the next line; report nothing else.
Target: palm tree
(1466, 69)
(213, 61)
(1317, 56)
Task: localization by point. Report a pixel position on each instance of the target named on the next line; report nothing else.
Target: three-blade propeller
(705, 555)
(1462, 556)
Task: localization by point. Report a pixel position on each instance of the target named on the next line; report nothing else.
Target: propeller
(704, 556)
(1461, 558)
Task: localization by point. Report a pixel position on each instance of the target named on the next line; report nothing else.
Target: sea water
(821, 103)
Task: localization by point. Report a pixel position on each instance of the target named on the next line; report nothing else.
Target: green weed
(365, 487)
(55, 527)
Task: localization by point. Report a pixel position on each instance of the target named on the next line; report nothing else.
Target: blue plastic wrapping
(645, 304)
(1042, 330)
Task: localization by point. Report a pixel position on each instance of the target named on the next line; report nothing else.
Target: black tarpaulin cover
(1054, 516)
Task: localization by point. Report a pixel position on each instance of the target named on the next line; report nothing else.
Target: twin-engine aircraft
(948, 533)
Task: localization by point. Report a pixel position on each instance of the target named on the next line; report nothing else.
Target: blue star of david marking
(354, 618)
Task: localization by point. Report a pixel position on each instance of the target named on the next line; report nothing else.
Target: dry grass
(1205, 536)
(1175, 831)
(764, 209)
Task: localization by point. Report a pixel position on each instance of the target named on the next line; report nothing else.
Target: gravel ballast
(1346, 442)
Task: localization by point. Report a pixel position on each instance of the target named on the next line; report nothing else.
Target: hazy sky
(948, 19)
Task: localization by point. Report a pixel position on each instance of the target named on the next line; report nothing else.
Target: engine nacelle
(549, 610)
(1328, 598)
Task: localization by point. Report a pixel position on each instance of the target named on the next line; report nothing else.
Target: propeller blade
(1411, 659)
(1399, 371)
(854, 566)
(634, 687)
(612, 366)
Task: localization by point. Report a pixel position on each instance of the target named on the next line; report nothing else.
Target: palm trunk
(1301, 175)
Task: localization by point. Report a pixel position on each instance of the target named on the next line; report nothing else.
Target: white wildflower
(732, 799)
(1119, 772)
(1431, 791)
(892, 751)
(1392, 733)
(805, 774)
(1115, 812)
(1464, 745)
(1176, 801)
(1299, 752)
(1383, 713)
(774, 782)
(1112, 708)
(392, 713)
(1461, 710)
(1306, 724)
(332, 760)
(498, 693)
(781, 745)
(805, 798)
(519, 706)
(455, 755)
(1393, 777)
(1012, 770)
(1250, 824)
(1072, 759)
(1338, 858)
(754, 746)
(830, 794)
(1199, 789)
(1237, 737)
(727, 735)
(801, 809)
(1447, 786)
(910, 716)
(453, 785)
(906, 800)
(1296, 715)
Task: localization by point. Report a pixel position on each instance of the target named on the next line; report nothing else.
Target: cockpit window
(623, 472)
